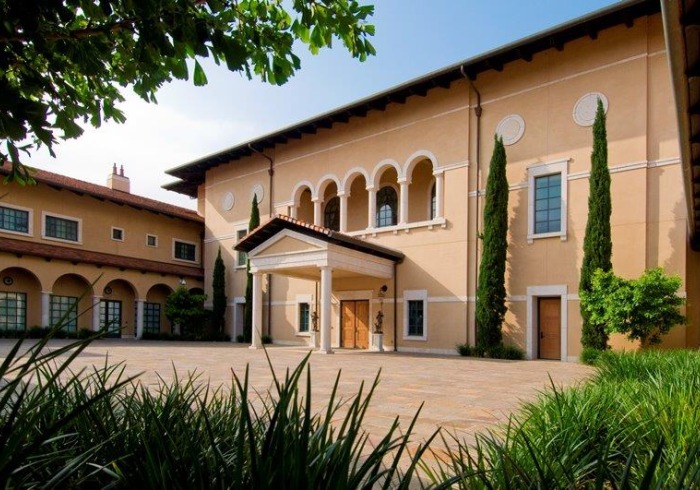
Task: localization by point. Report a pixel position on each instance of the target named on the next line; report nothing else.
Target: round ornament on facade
(585, 108)
(258, 192)
(511, 129)
(228, 201)
(107, 290)
(8, 281)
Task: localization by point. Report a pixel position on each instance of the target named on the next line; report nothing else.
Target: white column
(45, 302)
(371, 207)
(318, 215)
(293, 211)
(139, 318)
(257, 311)
(96, 312)
(326, 288)
(439, 186)
(403, 198)
(343, 212)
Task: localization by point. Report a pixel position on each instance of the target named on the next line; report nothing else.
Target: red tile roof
(280, 221)
(74, 255)
(105, 193)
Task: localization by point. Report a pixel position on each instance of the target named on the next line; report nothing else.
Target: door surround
(533, 293)
(338, 296)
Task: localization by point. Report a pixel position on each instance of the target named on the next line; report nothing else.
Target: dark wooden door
(549, 315)
(354, 324)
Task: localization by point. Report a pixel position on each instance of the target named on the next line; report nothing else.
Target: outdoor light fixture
(183, 282)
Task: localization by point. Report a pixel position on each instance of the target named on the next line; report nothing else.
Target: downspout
(395, 308)
(477, 148)
(270, 173)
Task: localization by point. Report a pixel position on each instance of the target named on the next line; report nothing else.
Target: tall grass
(99, 428)
(635, 425)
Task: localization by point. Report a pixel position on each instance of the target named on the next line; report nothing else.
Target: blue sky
(413, 38)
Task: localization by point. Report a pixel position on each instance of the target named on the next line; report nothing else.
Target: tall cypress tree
(597, 243)
(491, 292)
(219, 294)
(253, 223)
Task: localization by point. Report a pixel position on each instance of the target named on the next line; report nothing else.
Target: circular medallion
(258, 192)
(228, 201)
(8, 281)
(107, 290)
(511, 129)
(586, 106)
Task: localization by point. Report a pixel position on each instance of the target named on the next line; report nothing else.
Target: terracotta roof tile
(43, 250)
(103, 192)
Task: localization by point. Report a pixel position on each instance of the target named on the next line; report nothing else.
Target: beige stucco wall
(437, 134)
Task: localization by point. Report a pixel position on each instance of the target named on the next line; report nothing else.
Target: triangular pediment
(287, 242)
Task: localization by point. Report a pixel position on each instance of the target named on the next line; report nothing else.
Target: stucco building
(377, 205)
(116, 254)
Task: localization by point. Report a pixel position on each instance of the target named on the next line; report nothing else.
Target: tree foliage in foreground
(253, 223)
(644, 309)
(66, 61)
(491, 292)
(597, 242)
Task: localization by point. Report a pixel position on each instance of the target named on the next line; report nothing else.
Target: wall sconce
(382, 291)
(183, 283)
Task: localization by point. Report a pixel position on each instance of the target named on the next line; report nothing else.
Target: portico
(290, 247)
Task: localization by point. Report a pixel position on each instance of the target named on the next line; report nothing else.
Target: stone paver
(462, 395)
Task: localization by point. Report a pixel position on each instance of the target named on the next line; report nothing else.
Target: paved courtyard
(462, 395)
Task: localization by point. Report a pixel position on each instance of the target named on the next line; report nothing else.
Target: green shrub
(590, 355)
(266, 339)
(240, 338)
(501, 351)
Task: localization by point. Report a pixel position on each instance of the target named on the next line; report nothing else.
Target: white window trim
(112, 234)
(154, 236)
(44, 214)
(304, 298)
(30, 219)
(415, 295)
(532, 341)
(433, 183)
(236, 230)
(196, 251)
(540, 170)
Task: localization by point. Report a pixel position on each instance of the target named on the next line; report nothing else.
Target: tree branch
(122, 25)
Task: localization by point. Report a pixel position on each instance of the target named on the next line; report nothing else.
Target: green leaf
(199, 77)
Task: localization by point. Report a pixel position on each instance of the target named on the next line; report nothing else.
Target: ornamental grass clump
(99, 427)
(634, 425)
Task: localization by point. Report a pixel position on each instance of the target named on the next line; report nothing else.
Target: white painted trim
(315, 242)
(452, 166)
(541, 170)
(379, 169)
(324, 182)
(44, 214)
(534, 292)
(353, 172)
(441, 222)
(237, 264)
(415, 158)
(415, 295)
(299, 190)
(421, 350)
(111, 234)
(30, 220)
(154, 236)
(448, 299)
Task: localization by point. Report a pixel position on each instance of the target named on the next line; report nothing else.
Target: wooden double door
(354, 324)
(549, 320)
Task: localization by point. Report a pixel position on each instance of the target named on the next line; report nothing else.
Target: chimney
(117, 181)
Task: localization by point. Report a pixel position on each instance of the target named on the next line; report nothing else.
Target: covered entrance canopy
(287, 246)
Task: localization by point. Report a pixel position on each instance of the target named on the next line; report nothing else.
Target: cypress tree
(597, 243)
(253, 223)
(219, 294)
(491, 291)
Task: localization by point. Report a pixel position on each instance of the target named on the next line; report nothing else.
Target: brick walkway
(460, 394)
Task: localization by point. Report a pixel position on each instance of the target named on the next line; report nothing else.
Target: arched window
(331, 215)
(386, 207)
(433, 202)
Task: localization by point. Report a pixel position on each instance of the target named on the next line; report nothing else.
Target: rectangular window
(185, 251)
(13, 311)
(304, 313)
(151, 241)
(548, 204)
(15, 220)
(63, 310)
(151, 317)
(118, 234)
(415, 318)
(61, 228)
(242, 256)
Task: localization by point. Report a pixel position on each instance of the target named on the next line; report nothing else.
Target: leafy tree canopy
(65, 61)
(644, 309)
